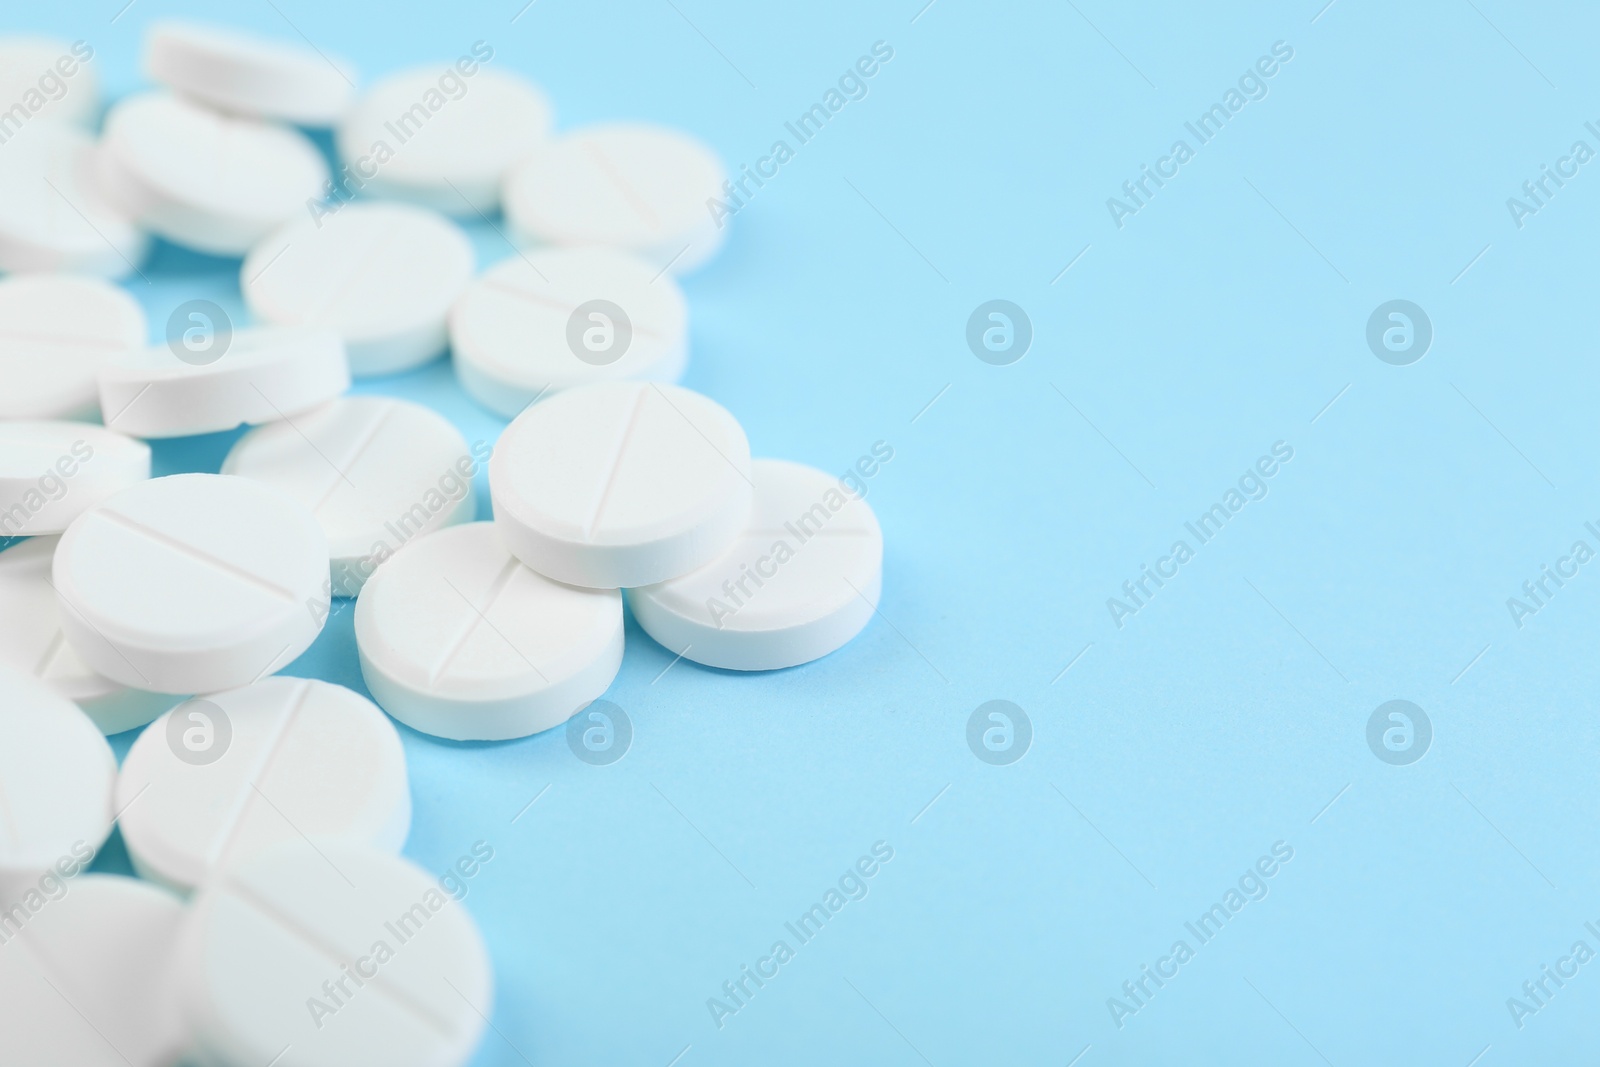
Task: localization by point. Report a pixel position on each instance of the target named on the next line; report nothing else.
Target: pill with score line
(54, 212)
(52, 471)
(443, 136)
(224, 777)
(192, 583)
(381, 275)
(376, 471)
(459, 639)
(621, 484)
(213, 182)
(799, 582)
(88, 976)
(621, 185)
(57, 332)
(555, 318)
(247, 74)
(330, 952)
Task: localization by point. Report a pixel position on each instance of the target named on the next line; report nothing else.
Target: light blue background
(1224, 716)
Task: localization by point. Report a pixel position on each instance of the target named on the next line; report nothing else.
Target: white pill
(381, 275)
(460, 640)
(89, 979)
(56, 333)
(799, 582)
(47, 79)
(199, 178)
(54, 215)
(248, 75)
(31, 641)
(621, 484)
(565, 317)
(332, 954)
(192, 583)
(437, 138)
(375, 471)
(56, 778)
(51, 472)
(221, 778)
(246, 376)
(633, 186)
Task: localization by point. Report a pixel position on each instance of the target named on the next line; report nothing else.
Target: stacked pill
(265, 814)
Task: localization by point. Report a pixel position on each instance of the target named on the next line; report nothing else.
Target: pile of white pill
(273, 920)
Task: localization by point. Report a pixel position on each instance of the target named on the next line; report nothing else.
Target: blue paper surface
(1186, 736)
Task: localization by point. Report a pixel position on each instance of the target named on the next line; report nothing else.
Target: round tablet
(31, 641)
(333, 953)
(49, 78)
(249, 376)
(210, 181)
(248, 75)
(192, 583)
(443, 138)
(221, 778)
(50, 472)
(459, 640)
(88, 978)
(800, 581)
(375, 471)
(633, 186)
(381, 275)
(56, 333)
(56, 778)
(564, 317)
(54, 215)
(621, 484)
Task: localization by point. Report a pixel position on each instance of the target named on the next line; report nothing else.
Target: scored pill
(87, 974)
(561, 317)
(621, 484)
(381, 275)
(377, 472)
(458, 639)
(32, 641)
(799, 582)
(192, 583)
(332, 953)
(222, 778)
(621, 185)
